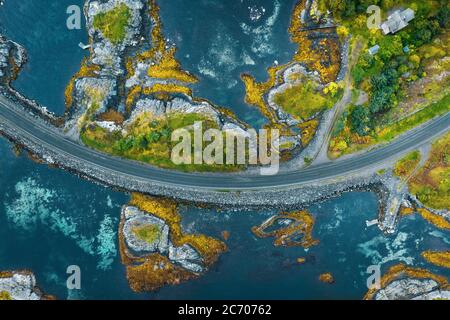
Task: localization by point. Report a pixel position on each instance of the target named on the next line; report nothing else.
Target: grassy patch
(148, 139)
(5, 295)
(431, 185)
(346, 142)
(427, 113)
(169, 88)
(147, 233)
(113, 24)
(406, 166)
(303, 101)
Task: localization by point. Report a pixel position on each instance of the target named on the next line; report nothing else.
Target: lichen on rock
(326, 278)
(402, 282)
(165, 255)
(288, 229)
(20, 285)
(438, 258)
(12, 58)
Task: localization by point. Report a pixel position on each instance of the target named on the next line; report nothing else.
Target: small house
(397, 21)
(374, 50)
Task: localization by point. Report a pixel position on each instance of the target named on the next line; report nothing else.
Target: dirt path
(322, 155)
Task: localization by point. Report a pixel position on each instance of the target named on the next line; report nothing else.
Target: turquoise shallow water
(50, 219)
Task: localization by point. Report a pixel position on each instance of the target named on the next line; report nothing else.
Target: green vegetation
(5, 295)
(113, 24)
(431, 184)
(344, 142)
(148, 139)
(305, 100)
(403, 86)
(406, 166)
(422, 116)
(148, 233)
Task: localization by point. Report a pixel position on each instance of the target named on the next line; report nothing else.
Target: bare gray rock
(137, 218)
(21, 285)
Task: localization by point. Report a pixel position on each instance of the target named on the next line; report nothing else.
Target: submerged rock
(326, 278)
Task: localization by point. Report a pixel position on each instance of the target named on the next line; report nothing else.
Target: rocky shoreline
(20, 285)
(155, 249)
(288, 198)
(402, 282)
(105, 81)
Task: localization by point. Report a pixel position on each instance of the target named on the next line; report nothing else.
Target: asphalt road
(50, 137)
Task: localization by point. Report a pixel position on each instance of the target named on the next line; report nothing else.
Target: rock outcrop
(159, 242)
(106, 53)
(20, 285)
(12, 58)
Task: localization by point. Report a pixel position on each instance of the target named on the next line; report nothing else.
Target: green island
(5, 295)
(113, 24)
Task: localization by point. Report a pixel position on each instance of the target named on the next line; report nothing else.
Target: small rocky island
(20, 285)
(155, 249)
(407, 283)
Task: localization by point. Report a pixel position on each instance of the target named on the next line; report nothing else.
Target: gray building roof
(397, 21)
(374, 50)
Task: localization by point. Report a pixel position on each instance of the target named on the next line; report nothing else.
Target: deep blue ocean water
(50, 219)
(53, 51)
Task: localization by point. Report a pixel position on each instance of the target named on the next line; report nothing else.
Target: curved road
(52, 138)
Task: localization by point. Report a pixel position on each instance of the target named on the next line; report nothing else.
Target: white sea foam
(206, 69)
(106, 239)
(396, 249)
(35, 205)
(263, 34)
